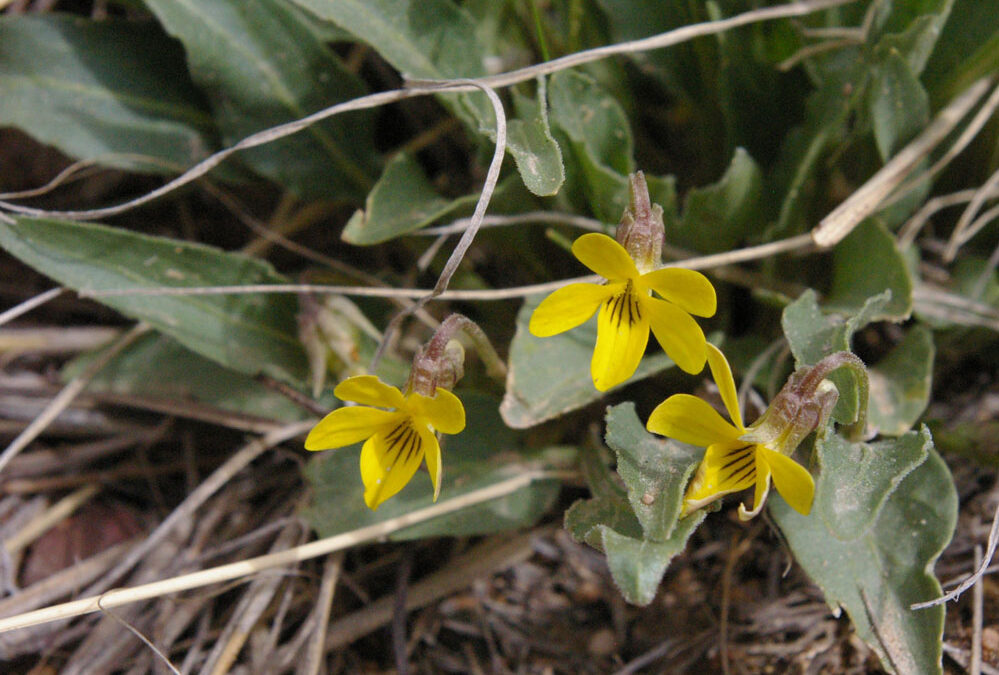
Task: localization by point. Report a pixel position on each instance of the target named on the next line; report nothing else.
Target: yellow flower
(731, 464)
(396, 440)
(628, 310)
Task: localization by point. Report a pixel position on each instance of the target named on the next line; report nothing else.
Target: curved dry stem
(866, 199)
(245, 568)
(667, 39)
(451, 266)
(800, 243)
(68, 393)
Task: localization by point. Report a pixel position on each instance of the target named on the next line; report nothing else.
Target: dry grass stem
(320, 618)
(124, 596)
(866, 199)
(248, 610)
(49, 518)
(980, 569)
(69, 392)
(30, 304)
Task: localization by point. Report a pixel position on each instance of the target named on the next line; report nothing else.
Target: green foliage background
(747, 136)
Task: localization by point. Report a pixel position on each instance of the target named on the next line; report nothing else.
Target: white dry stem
(667, 39)
(983, 115)
(869, 196)
(49, 518)
(339, 542)
(907, 233)
(981, 569)
(965, 228)
(68, 393)
(801, 242)
(29, 304)
(458, 254)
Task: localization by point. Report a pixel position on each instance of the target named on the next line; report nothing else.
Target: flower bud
(441, 362)
(641, 231)
(805, 404)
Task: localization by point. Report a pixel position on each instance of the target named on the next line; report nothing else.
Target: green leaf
(530, 141)
(436, 39)
(158, 366)
(262, 64)
(586, 519)
(250, 334)
(112, 91)
(897, 103)
(639, 538)
(857, 479)
(916, 29)
(877, 576)
(865, 264)
(402, 201)
(599, 139)
(718, 217)
(968, 48)
(484, 454)
(608, 506)
(430, 39)
(900, 383)
(638, 565)
(655, 471)
(813, 335)
(551, 376)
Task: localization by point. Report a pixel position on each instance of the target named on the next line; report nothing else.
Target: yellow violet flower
(628, 310)
(397, 440)
(730, 463)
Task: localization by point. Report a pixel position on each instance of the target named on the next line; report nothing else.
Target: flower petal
(444, 411)
(677, 332)
(390, 458)
(792, 481)
(622, 334)
(567, 308)
(722, 374)
(434, 463)
(605, 256)
(369, 390)
(763, 474)
(689, 419)
(346, 426)
(727, 467)
(689, 290)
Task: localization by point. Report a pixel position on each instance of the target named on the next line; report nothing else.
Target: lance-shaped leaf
(607, 522)
(250, 334)
(638, 565)
(159, 367)
(117, 92)
(530, 141)
(655, 471)
(878, 575)
(261, 64)
(437, 39)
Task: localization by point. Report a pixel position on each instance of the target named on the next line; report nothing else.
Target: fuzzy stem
(451, 325)
(822, 369)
